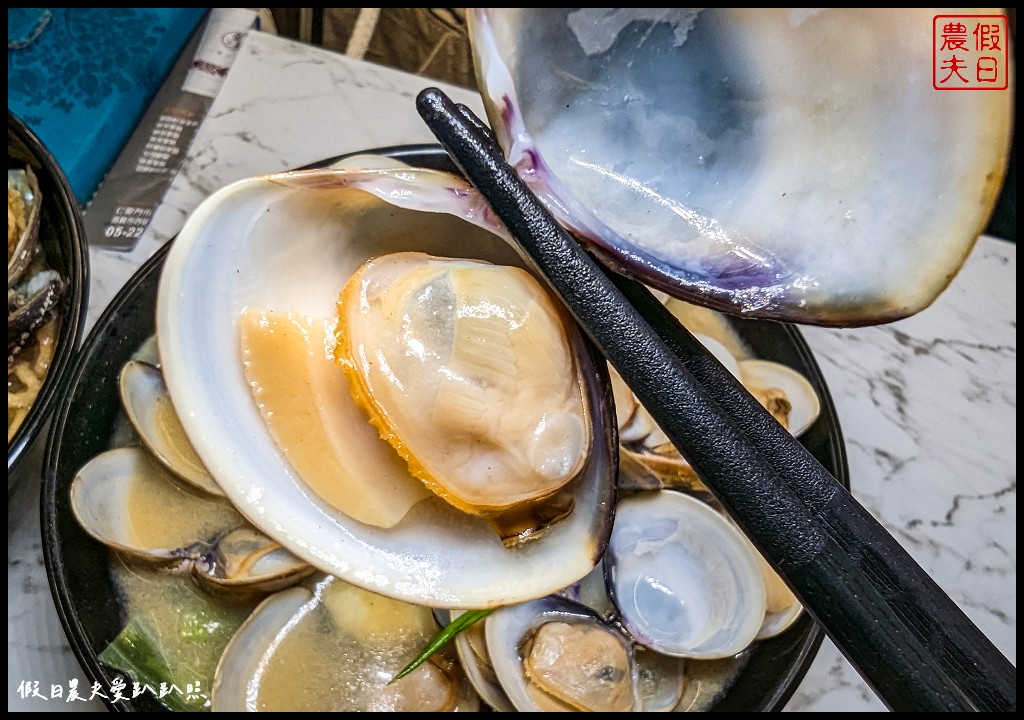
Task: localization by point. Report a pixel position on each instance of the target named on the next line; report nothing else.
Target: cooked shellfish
(553, 654)
(683, 578)
(467, 369)
(125, 499)
(649, 460)
(361, 640)
(148, 406)
(23, 218)
(229, 261)
(753, 160)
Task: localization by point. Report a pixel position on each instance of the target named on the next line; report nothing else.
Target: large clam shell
(288, 242)
(785, 163)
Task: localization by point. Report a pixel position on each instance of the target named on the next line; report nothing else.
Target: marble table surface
(927, 405)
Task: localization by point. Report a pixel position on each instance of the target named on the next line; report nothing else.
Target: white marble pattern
(927, 405)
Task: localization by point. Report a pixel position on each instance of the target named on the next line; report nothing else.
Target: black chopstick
(911, 643)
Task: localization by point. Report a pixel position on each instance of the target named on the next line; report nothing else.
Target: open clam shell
(760, 161)
(553, 654)
(128, 501)
(683, 578)
(288, 243)
(146, 401)
(361, 640)
(803, 403)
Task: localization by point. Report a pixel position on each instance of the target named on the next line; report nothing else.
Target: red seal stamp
(969, 52)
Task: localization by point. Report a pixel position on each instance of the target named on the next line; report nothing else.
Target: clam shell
(288, 242)
(509, 629)
(683, 577)
(471, 646)
(148, 406)
(759, 161)
(31, 305)
(246, 559)
(129, 502)
(805, 405)
(361, 641)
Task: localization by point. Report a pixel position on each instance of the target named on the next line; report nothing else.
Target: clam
(30, 305)
(148, 406)
(661, 680)
(683, 578)
(758, 161)
(672, 611)
(784, 392)
(126, 500)
(362, 640)
(554, 654)
(33, 289)
(255, 275)
(475, 659)
(782, 608)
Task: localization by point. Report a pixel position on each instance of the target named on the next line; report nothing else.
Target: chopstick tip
(430, 101)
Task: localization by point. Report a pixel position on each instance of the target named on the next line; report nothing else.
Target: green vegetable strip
(136, 652)
(453, 628)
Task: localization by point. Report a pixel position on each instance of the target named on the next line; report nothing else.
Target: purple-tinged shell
(785, 163)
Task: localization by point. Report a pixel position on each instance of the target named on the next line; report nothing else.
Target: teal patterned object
(82, 78)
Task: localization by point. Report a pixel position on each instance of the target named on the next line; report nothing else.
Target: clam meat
(467, 369)
(552, 654)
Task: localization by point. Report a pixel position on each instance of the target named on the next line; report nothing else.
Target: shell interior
(752, 160)
(146, 401)
(683, 578)
(362, 640)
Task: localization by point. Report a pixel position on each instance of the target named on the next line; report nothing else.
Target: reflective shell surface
(787, 163)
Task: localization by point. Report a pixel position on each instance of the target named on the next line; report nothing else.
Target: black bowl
(77, 566)
(62, 237)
